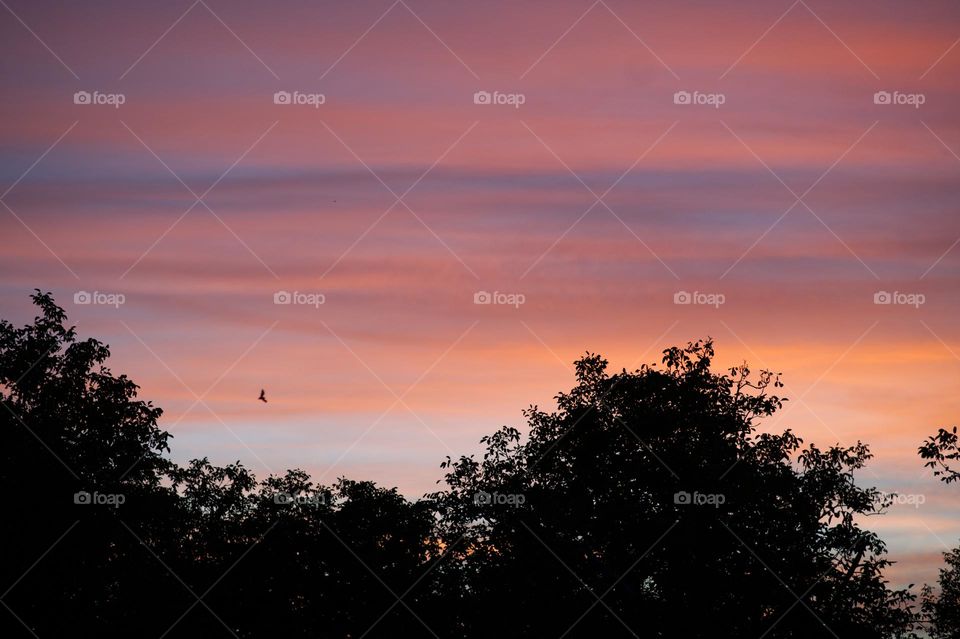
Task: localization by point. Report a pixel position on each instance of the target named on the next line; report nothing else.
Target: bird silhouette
(263, 396)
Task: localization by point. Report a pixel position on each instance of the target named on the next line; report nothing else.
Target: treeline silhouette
(648, 504)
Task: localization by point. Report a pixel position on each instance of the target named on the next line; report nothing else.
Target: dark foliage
(652, 505)
(941, 607)
(648, 504)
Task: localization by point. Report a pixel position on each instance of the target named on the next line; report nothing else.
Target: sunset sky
(595, 202)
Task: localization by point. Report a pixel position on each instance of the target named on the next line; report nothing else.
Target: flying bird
(263, 396)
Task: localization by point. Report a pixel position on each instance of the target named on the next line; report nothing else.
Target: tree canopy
(941, 606)
(648, 503)
(651, 500)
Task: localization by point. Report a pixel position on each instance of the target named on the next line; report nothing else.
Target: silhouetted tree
(200, 550)
(941, 607)
(73, 433)
(649, 504)
(940, 449)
